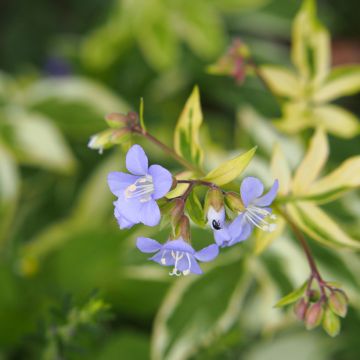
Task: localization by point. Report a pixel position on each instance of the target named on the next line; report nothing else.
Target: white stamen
(142, 188)
(177, 256)
(256, 216)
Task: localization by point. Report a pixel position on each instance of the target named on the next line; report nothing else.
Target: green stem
(315, 274)
(167, 150)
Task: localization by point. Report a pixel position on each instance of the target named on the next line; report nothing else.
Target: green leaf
(186, 137)
(310, 44)
(313, 163)
(320, 227)
(180, 188)
(238, 5)
(9, 188)
(156, 35)
(342, 81)
(331, 323)
(187, 321)
(337, 120)
(231, 169)
(281, 81)
(280, 170)
(75, 89)
(90, 210)
(195, 209)
(124, 345)
(197, 22)
(292, 297)
(36, 141)
(344, 178)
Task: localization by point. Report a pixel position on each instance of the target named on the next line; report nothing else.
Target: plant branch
(315, 274)
(138, 130)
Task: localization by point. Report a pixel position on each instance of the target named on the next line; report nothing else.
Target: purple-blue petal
(162, 180)
(250, 189)
(179, 245)
(208, 253)
(169, 260)
(195, 268)
(136, 160)
(147, 245)
(235, 228)
(123, 222)
(222, 236)
(245, 233)
(150, 213)
(269, 197)
(119, 181)
(129, 208)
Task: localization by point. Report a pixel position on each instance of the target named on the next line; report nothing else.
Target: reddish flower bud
(314, 315)
(300, 308)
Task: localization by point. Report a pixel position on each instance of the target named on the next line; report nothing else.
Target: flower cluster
(231, 217)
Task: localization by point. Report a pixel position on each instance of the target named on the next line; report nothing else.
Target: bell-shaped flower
(177, 253)
(137, 192)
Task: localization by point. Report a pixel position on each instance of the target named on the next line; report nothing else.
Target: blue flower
(177, 253)
(137, 192)
(256, 214)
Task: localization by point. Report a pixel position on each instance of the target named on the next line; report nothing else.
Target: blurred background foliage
(66, 63)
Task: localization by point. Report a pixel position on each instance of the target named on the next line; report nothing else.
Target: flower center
(142, 188)
(177, 256)
(257, 215)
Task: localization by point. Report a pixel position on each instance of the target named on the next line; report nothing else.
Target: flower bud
(116, 120)
(338, 302)
(177, 211)
(300, 308)
(314, 315)
(215, 199)
(108, 138)
(183, 228)
(234, 202)
(331, 323)
(314, 295)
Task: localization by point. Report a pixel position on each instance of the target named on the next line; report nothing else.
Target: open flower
(137, 192)
(257, 212)
(227, 233)
(177, 253)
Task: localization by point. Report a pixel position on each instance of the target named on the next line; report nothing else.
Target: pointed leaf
(231, 169)
(310, 44)
(344, 178)
(280, 170)
(320, 227)
(195, 209)
(184, 323)
(186, 137)
(293, 296)
(281, 81)
(337, 120)
(37, 141)
(314, 161)
(342, 81)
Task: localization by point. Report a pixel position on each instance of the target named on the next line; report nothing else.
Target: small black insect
(216, 225)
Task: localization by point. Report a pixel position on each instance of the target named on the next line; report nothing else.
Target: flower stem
(315, 274)
(167, 150)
